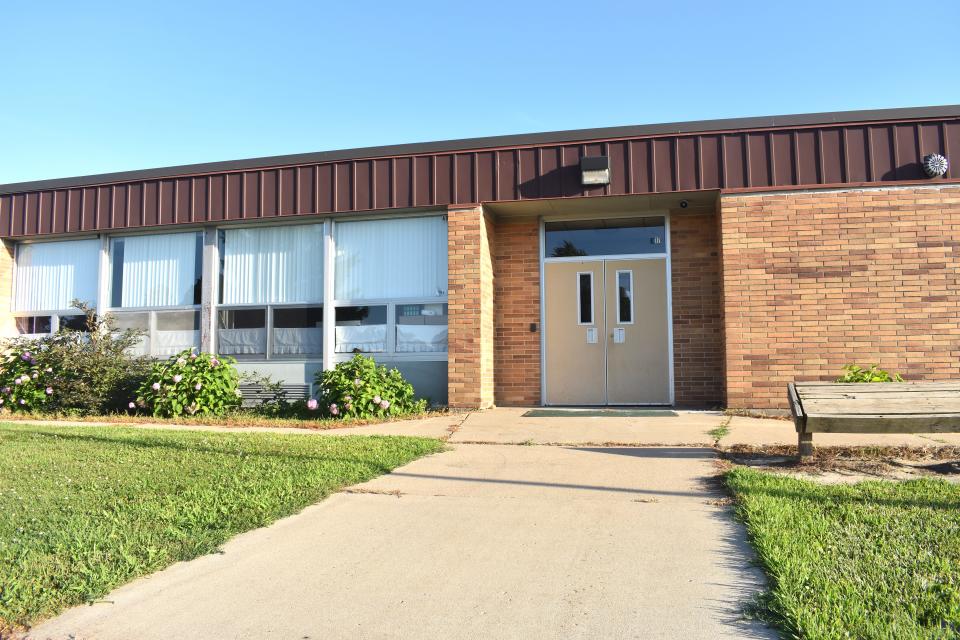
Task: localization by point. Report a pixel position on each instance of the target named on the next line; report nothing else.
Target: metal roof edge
(472, 144)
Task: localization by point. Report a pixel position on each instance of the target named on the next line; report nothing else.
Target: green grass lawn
(877, 559)
(85, 509)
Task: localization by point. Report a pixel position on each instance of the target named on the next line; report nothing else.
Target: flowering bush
(359, 388)
(190, 384)
(26, 383)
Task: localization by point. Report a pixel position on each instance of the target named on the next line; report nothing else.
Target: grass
(85, 509)
(718, 433)
(877, 559)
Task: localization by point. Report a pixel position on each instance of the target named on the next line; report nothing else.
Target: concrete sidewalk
(483, 541)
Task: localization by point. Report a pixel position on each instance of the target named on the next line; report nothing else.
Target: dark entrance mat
(599, 413)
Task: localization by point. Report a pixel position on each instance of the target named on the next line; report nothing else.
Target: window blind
(273, 266)
(157, 270)
(51, 274)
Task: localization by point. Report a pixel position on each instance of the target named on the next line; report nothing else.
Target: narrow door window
(585, 297)
(625, 297)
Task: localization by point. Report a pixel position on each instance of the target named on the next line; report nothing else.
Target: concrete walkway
(481, 541)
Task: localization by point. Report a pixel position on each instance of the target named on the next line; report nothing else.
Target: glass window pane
(361, 329)
(139, 320)
(585, 293)
(400, 258)
(242, 332)
(176, 331)
(604, 237)
(34, 324)
(272, 265)
(74, 323)
(50, 275)
(156, 271)
(625, 296)
(421, 328)
(298, 331)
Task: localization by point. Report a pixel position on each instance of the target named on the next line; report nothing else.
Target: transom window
(581, 238)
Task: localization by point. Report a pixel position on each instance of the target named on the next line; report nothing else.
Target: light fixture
(594, 170)
(935, 165)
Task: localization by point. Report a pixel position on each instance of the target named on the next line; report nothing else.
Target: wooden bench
(877, 407)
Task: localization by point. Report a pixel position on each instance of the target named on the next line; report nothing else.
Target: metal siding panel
(135, 205)
(118, 210)
(102, 208)
(590, 151)
(268, 194)
(59, 222)
(199, 211)
(251, 195)
(287, 198)
(640, 169)
(233, 206)
(570, 171)
(88, 211)
(32, 214)
(952, 146)
(382, 184)
(466, 192)
(663, 165)
(181, 193)
(858, 155)
(734, 162)
(45, 213)
(326, 188)
(486, 171)
(883, 160)
(403, 182)
(343, 185)
(306, 189)
(527, 179)
(619, 168)
(908, 153)
(831, 152)
(550, 163)
(443, 179)
(686, 162)
(19, 205)
(931, 138)
(421, 181)
(759, 166)
(167, 206)
(507, 175)
(363, 172)
(6, 215)
(783, 169)
(710, 162)
(808, 156)
(75, 210)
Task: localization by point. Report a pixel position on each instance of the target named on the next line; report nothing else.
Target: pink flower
(34, 376)
(214, 362)
(385, 404)
(1, 400)
(18, 381)
(334, 410)
(132, 405)
(49, 369)
(376, 399)
(357, 382)
(198, 386)
(49, 391)
(177, 378)
(155, 386)
(26, 356)
(348, 398)
(312, 404)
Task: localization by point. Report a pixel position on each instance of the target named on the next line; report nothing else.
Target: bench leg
(805, 445)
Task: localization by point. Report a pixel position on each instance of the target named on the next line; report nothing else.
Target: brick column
(470, 297)
(8, 326)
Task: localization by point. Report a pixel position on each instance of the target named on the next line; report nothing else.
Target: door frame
(666, 255)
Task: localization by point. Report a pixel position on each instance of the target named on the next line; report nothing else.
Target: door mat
(599, 413)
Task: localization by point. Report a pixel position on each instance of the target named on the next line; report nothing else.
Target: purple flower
(132, 405)
(177, 378)
(33, 362)
(5, 390)
(385, 404)
(334, 410)
(22, 401)
(214, 362)
(312, 404)
(155, 386)
(26, 356)
(198, 386)
(49, 391)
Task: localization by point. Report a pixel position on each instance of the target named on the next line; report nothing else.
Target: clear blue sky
(90, 87)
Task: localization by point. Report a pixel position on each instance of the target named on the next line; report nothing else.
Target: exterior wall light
(935, 165)
(594, 170)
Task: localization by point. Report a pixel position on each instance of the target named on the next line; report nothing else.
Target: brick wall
(470, 298)
(697, 327)
(516, 307)
(8, 326)
(813, 281)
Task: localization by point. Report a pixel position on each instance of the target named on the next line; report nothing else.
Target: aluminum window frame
(628, 272)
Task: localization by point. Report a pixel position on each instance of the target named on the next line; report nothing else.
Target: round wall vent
(935, 165)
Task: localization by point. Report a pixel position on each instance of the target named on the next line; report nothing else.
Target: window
(156, 271)
(625, 297)
(399, 258)
(585, 297)
(151, 276)
(361, 329)
(271, 284)
(421, 328)
(32, 325)
(605, 237)
(50, 275)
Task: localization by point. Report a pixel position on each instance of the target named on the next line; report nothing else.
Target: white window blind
(51, 274)
(157, 271)
(400, 258)
(276, 265)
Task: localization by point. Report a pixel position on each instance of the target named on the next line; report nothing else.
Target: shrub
(192, 384)
(88, 372)
(856, 373)
(360, 388)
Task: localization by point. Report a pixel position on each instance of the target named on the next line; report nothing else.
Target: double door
(607, 332)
